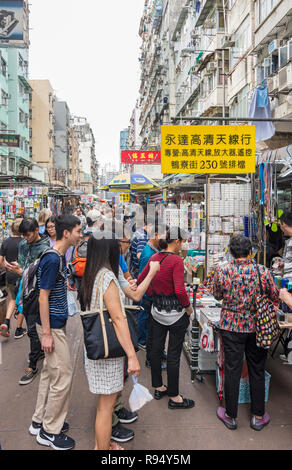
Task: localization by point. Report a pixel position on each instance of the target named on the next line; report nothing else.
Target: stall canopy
(127, 182)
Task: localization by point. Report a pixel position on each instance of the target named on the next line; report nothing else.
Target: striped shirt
(170, 278)
(49, 278)
(139, 241)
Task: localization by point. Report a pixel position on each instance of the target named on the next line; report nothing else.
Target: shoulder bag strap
(260, 281)
(102, 322)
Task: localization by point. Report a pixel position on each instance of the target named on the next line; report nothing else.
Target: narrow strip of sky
(89, 51)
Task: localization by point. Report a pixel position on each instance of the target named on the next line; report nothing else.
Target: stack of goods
(229, 204)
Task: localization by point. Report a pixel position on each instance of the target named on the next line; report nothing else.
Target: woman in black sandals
(171, 310)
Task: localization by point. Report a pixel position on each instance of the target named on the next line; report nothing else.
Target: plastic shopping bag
(207, 339)
(73, 309)
(139, 397)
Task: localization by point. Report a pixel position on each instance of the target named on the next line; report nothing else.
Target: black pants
(235, 345)
(177, 333)
(147, 305)
(35, 345)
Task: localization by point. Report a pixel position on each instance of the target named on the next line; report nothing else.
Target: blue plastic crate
(244, 389)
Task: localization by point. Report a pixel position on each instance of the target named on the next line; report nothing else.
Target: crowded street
(145, 228)
(197, 430)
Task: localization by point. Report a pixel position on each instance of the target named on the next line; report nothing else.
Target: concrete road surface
(157, 428)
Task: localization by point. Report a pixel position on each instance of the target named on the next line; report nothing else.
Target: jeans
(235, 345)
(35, 345)
(177, 333)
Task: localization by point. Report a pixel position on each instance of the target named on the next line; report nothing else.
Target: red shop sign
(137, 156)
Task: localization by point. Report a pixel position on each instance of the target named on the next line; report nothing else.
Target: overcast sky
(89, 51)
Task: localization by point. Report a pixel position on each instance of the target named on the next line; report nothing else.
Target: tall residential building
(14, 109)
(205, 59)
(62, 141)
(42, 138)
(88, 164)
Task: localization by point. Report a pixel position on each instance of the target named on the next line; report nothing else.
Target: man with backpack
(30, 249)
(48, 422)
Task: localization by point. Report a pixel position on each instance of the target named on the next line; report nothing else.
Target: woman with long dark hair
(106, 376)
(170, 312)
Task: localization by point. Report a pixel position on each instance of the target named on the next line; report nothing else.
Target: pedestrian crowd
(108, 260)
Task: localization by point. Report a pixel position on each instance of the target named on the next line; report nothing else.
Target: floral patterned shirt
(237, 285)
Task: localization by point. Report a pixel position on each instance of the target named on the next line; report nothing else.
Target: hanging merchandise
(260, 108)
(27, 201)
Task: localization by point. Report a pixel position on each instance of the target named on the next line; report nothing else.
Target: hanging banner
(208, 149)
(11, 20)
(135, 156)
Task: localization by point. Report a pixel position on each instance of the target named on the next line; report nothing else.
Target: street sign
(124, 197)
(9, 140)
(208, 149)
(137, 156)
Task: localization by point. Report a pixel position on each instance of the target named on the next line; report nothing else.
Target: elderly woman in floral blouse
(237, 285)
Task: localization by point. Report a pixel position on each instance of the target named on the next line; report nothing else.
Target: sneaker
(258, 424)
(142, 347)
(35, 428)
(28, 376)
(283, 357)
(230, 423)
(4, 329)
(121, 434)
(19, 333)
(56, 441)
(126, 417)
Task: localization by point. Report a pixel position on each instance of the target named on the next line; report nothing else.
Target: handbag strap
(102, 322)
(260, 281)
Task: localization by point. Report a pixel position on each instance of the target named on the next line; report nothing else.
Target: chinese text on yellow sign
(124, 197)
(208, 149)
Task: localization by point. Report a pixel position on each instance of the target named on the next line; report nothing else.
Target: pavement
(157, 428)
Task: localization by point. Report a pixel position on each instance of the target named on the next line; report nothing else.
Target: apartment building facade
(87, 165)
(14, 96)
(42, 128)
(205, 59)
(63, 138)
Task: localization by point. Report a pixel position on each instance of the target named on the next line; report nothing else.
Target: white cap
(94, 215)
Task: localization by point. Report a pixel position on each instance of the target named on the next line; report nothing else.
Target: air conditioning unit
(274, 45)
(209, 24)
(273, 84)
(227, 42)
(211, 66)
(285, 78)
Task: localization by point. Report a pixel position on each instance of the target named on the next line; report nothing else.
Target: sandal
(115, 446)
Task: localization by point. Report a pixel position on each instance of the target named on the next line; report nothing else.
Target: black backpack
(29, 297)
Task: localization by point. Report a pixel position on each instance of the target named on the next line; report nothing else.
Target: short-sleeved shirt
(123, 264)
(139, 241)
(49, 278)
(9, 250)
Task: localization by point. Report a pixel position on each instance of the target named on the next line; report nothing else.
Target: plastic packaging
(207, 339)
(73, 309)
(139, 396)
